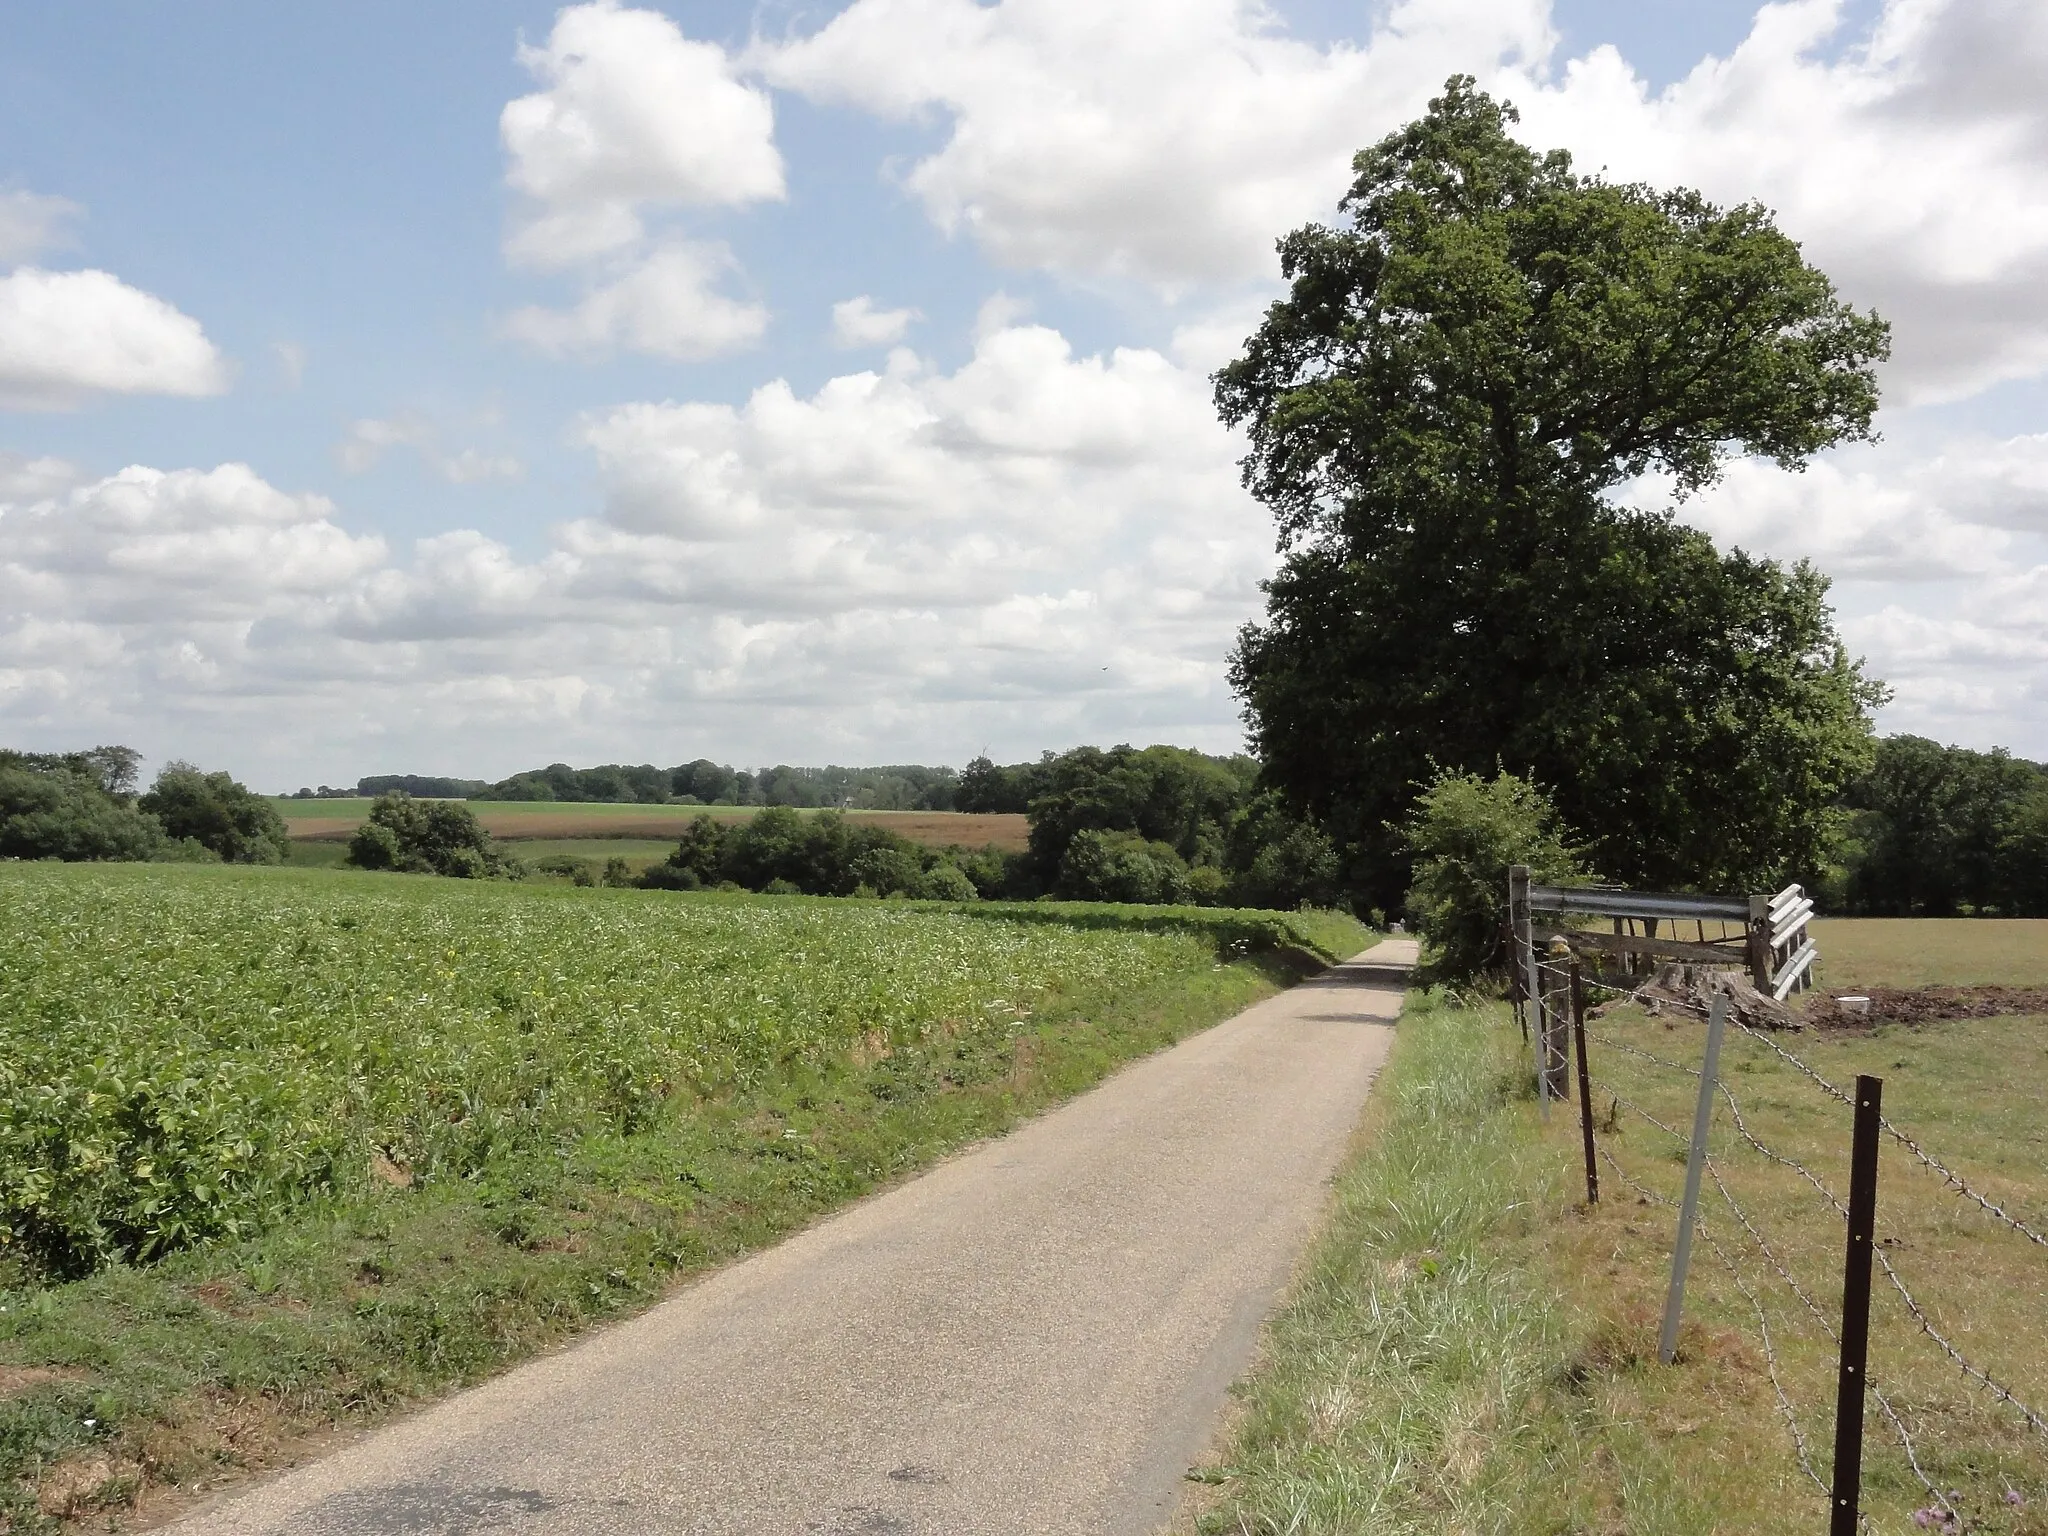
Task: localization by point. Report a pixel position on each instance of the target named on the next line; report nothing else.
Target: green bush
(59, 808)
(822, 854)
(424, 837)
(1463, 834)
(944, 882)
(1277, 859)
(213, 810)
(1121, 866)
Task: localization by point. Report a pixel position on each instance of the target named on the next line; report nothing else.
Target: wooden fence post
(1760, 943)
(1847, 1492)
(1585, 1084)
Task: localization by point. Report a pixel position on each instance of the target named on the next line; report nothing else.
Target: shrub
(215, 811)
(1277, 859)
(58, 808)
(1120, 866)
(888, 870)
(428, 837)
(1463, 834)
(944, 882)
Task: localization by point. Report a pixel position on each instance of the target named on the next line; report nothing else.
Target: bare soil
(1923, 1005)
(935, 829)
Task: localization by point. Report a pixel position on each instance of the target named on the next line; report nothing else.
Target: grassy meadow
(281, 1149)
(1931, 951)
(1472, 1348)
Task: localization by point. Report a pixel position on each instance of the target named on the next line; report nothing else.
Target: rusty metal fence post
(1585, 1083)
(1847, 1492)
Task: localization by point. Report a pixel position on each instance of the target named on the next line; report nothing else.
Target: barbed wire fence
(1559, 985)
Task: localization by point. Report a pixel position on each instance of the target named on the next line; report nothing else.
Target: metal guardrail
(1774, 941)
(1617, 901)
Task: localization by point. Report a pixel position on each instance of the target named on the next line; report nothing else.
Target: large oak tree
(1439, 410)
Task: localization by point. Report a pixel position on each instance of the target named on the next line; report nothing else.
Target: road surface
(1036, 1336)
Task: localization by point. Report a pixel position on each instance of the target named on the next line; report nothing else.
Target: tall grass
(1472, 1349)
(1400, 1371)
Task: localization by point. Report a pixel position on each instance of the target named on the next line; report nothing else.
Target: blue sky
(1005, 520)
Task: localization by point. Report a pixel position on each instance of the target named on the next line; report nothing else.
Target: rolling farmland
(527, 820)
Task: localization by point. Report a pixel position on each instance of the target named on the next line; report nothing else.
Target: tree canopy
(221, 815)
(1438, 412)
(74, 805)
(1933, 831)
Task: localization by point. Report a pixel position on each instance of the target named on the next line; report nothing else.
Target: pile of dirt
(1923, 1005)
(1686, 991)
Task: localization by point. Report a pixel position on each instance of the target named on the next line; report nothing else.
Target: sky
(459, 388)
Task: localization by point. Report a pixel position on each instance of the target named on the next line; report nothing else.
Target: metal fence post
(1585, 1084)
(1848, 1486)
(1695, 1165)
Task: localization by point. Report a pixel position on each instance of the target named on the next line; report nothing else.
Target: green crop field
(187, 1054)
(280, 1148)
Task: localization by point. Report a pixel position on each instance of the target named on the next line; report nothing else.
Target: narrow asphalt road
(1036, 1336)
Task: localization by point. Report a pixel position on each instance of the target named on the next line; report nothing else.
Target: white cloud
(634, 112)
(1939, 557)
(1886, 519)
(34, 222)
(668, 305)
(364, 444)
(1912, 163)
(1035, 548)
(634, 118)
(857, 323)
(24, 479)
(151, 547)
(68, 335)
(1171, 141)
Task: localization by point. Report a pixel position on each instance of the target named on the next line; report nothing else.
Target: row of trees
(1934, 831)
(85, 805)
(897, 787)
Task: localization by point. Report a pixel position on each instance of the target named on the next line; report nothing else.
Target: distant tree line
(1925, 830)
(896, 787)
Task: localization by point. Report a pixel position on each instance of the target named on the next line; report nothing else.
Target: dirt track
(1036, 1336)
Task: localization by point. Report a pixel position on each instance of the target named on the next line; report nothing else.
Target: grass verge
(1473, 1349)
(123, 1393)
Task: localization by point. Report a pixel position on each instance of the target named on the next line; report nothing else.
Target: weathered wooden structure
(1766, 935)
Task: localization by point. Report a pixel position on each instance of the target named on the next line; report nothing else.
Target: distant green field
(1931, 951)
(354, 810)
